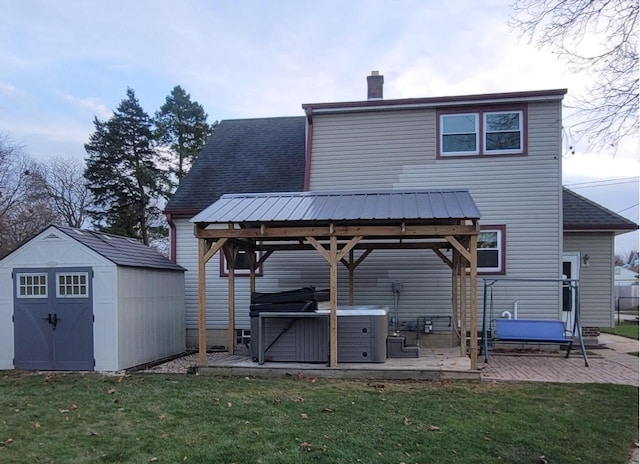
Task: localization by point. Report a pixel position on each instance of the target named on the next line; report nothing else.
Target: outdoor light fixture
(585, 260)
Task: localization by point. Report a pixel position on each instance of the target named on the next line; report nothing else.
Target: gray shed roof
(385, 205)
(580, 213)
(244, 155)
(122, 251)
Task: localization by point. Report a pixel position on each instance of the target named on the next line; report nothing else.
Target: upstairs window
(459, 134)
(503, 132)
(481, 132)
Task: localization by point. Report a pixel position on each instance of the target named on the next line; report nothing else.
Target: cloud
(92, 105)
(7, 89)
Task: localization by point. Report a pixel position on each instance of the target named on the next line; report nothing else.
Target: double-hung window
(459, 134)
(491, 243)
(503, 132)
(481, 132)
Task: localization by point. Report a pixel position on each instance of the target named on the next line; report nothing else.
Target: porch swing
(538, 331)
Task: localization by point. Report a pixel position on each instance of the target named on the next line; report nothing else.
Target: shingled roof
(119, 250)
(580, 213)
(244, 156)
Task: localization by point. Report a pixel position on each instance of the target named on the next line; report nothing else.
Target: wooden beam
(215, 247)
(321, 249)
(463, 306)
(473, 277)
(252, 271)
(351, 269)
(230, 254)
(444, 258)
(263, 258)
(202, 303)
(333, 301)
(275, 246)
(458, 246)
(348, 247)
(340, 231)
(455, 339)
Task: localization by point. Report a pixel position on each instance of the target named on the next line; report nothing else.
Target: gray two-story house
(504, 148)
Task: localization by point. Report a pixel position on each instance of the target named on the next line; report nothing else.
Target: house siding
(596, 281)
(397, 149)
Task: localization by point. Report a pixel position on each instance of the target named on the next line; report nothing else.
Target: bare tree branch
(608, 112)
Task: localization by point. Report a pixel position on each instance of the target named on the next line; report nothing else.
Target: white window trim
(442, 134)
(32, 274)
(239, 272)
(485, 150)
(499, 242)
(71, 274)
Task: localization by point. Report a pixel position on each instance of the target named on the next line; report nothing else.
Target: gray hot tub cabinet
(362, 336)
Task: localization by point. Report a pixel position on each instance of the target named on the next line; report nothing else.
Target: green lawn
(624, 330)
(77, 418)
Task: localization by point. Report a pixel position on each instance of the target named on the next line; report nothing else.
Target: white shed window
(72, 285)
(32, 285)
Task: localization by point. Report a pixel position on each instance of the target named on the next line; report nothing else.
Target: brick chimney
(374, 86)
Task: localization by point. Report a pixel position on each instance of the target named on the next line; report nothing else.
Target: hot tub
(362, 335)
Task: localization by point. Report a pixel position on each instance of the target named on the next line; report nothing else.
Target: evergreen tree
(182, 125)
(123, 176)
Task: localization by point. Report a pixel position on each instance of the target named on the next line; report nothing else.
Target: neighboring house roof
(121, 251)
(383, 205)
(580, 213)
(244, 156)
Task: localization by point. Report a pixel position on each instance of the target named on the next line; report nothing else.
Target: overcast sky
(63, 62)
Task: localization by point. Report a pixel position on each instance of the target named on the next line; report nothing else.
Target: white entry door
(570, 270)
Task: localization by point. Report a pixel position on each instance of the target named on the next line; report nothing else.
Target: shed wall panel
(150, 315)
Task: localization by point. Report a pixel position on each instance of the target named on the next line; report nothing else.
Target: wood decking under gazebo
(336, 225)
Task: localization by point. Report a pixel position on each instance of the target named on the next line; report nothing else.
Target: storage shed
(74, 299)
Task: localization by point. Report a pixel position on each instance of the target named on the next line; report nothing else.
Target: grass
(76, 418)
(624, 330)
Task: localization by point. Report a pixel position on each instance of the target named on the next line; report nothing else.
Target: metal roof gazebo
(335, 224)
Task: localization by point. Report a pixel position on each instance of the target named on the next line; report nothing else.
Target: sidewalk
(609, 364)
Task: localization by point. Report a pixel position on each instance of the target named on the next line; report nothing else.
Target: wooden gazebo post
(473, 276)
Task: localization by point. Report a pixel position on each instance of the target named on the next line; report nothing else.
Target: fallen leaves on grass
(7, 442)
(327, 410)
(406, 421)
(542, 459)
(111, 391)
(229, 405)
(304, 416)
(37, 425)
(433, 428)
(305, 446)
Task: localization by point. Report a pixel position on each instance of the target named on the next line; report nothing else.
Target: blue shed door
(53, 319)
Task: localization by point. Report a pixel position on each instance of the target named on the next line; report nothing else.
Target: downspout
(307, 157)
(172, 237)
